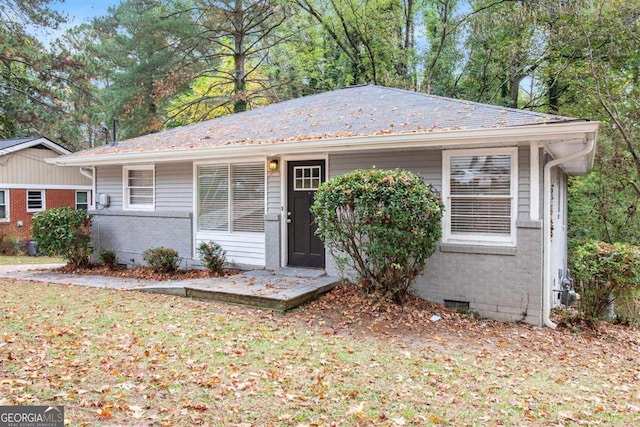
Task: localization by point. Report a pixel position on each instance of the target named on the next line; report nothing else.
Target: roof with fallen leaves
(356, 111)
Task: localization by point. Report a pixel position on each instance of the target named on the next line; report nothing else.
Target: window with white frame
(139, 187)
(479, 190)
(82, 200)
(4, 205)
(231, 197)
(35, 200)
(307, 178)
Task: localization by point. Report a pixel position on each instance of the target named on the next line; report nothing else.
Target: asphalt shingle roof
(354, 111)
(8, 143)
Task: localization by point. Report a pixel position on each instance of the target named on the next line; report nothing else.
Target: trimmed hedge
(384, 224)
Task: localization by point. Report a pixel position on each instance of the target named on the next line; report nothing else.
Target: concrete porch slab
(281, 289)
(275, 291)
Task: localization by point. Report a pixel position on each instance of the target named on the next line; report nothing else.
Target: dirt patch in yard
(348, 310)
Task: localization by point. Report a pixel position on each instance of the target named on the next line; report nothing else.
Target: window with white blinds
(231, 197)
(139, 183)
(480, 194)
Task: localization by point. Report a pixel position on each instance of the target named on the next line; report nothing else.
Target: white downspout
(88, 172)
(547, 218)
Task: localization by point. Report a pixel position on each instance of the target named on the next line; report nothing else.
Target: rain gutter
(546, 277)
(507, 136)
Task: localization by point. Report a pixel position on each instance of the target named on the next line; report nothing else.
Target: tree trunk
(239, 56)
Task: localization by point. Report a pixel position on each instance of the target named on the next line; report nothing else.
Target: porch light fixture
(273, 165)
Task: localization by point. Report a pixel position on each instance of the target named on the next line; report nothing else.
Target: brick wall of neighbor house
(130, 233)
(18, 208)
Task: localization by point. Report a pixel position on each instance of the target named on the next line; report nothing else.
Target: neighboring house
(28, 184)
(247, 181)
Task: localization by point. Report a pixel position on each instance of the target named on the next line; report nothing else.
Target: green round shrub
(383, 224)
(64, 232)
(161, 259)
(605, 273)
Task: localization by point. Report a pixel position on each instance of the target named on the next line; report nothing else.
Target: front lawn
(136, 359)
(29, 260)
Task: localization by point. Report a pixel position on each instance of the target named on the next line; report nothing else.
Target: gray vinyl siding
(109, 181)
(426, 163)
(130, 232)
(273, 191)
(524, 181)
(174, 187)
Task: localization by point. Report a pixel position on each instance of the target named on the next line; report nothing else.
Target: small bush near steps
(213, 256)
(162, 260)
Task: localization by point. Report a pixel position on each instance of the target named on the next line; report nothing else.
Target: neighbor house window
(139, 183)
(35, 200)
(479, 190)
(4, 205)
(231, 197)
(82, 200)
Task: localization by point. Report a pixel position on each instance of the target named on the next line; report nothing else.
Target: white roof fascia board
(474, 137)
(32, 143)
(46, 187)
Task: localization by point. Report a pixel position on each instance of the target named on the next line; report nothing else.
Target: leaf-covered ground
(147, 273)
(134, 359)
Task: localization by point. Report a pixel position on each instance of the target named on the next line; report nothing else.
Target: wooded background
(153, 65)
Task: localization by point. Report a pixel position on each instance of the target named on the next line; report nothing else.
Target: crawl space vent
(456, 305)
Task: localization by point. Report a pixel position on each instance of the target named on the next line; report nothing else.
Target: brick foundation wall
(497, 282)
(131, 233)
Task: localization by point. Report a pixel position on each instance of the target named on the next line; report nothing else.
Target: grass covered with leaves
(128, 358)
(29, 260)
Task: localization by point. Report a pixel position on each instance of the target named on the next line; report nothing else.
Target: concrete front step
(280, 293)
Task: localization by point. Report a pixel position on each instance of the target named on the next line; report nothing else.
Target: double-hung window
(479, 190)
(139, 187)
(35, 200)
(4, 205)
(231, 197)
(82, 200)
